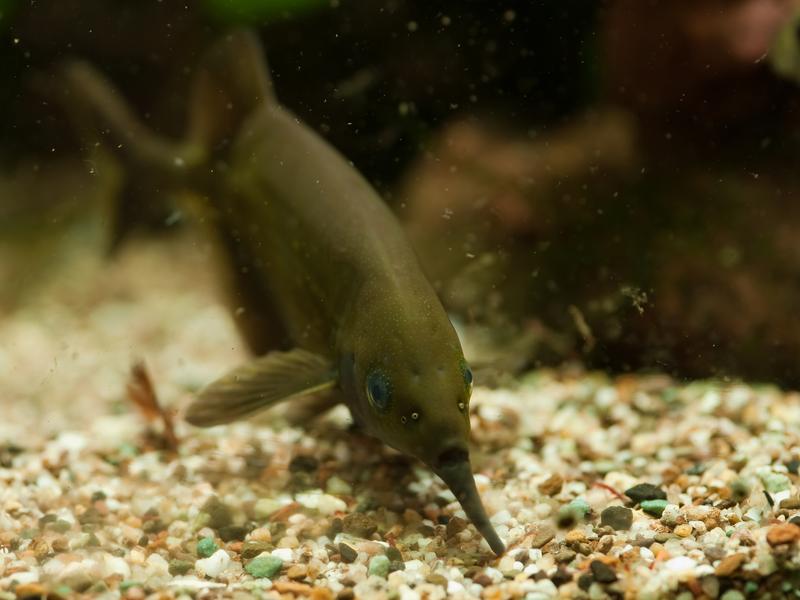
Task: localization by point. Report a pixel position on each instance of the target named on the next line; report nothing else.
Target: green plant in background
(785, 53)
(6, 7)
(257, 11)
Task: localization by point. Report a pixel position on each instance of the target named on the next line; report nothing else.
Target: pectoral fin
(265, 381)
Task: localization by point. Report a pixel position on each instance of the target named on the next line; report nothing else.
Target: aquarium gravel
(602, 487)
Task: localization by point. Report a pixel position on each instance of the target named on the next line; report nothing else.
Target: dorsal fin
(231, 81)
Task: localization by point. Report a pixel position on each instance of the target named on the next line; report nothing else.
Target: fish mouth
(454, 468)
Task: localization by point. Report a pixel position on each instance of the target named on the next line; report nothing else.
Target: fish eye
(379, 390)
(467, 374)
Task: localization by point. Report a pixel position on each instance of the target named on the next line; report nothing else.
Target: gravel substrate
(630, 487)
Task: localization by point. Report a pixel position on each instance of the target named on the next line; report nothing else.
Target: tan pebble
(135, 593)
(31, 590)
(791, 503)
(575, 535)
(552, 485)
(684, 530)
(785, 533)
(297, 572)
(411, 516)
(288, 541)
(605, 544)
(321, 594)
(260, 534)
(60, 544)
(40, 548)
(659, 527)
(482, 579)
(729, 565)
(292, 587)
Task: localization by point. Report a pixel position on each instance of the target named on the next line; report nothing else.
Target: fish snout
(453, 466)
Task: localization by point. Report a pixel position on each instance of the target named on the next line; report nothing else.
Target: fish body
(334, 299)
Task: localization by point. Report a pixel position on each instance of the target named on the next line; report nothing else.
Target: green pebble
(379, 565)
(751, 587)
(733, 595)
(124, 586)
(654, 507)
(180, 567)
(775, 482)
(206, 547)
(264, 566)
(580, 506)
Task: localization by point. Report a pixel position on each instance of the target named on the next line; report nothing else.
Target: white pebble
(680, 564)
(285, 554)
(214, 564)
(454, 587)
(324, 503)
(501, 518)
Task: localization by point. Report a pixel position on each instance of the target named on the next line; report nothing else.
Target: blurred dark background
(374, 77)
(613, 182)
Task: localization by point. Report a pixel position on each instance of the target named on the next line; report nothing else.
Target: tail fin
(230, 82)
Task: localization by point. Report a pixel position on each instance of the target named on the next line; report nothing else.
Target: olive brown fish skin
(321, 265)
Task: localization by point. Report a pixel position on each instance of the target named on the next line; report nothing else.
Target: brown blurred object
(142, 394)
(666, 218)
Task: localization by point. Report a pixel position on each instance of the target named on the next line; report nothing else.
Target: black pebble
(617, 517)
(602, 573)
(645, 491)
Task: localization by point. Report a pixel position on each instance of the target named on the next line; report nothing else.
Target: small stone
(214, 564)
(32, 591)
(483, 580)
(729, 565)
(455, 526)
(218, 512)
(732, 595)
(617, 517)
(791, 503)
(670, 514)
(252, 548)
(565, 555)
(297, 572)
(601, 572)
(265, 507)
(288, 541)
(348, 553)
(585, 581)
(552, 485)
(437, 579)
(379, 565)
(645, 491)
(346, 594)
(542, 534)
(785, 533)
(684, 530)
(775, 482)
(206, 547)
(394, 554)
(359, 524)
(303, 464)
(654, 507)
(338, 486)
(180, 567)
(264, 566)
(231, 533)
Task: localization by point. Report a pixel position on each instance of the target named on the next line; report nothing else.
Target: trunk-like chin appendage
(454, 468)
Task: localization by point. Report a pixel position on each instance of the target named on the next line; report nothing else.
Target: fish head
(410, 386)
